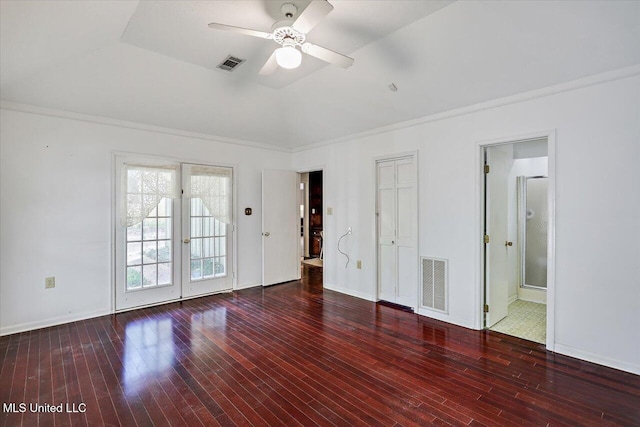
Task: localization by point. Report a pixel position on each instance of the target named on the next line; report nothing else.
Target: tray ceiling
(153, 62)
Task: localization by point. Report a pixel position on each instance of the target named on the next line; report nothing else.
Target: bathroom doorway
(516, 238)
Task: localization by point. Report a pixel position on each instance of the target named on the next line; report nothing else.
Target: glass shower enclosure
(532, 230)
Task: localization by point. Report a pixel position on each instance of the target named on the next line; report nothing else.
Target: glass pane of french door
(149, 252)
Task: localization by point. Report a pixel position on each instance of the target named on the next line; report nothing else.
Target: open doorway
(516, 257)
(311, 219)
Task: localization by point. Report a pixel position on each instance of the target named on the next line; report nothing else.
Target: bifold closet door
(397, 231)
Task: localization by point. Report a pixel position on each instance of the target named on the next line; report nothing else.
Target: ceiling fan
(291, 33)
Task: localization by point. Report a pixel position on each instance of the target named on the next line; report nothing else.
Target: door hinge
(487, 168)
(486, 238)
(486, 308)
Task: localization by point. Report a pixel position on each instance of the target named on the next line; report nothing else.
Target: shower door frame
(522, 232)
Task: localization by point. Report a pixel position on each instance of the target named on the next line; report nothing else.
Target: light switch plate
(329, 211)
(49, 282)
(359, 265)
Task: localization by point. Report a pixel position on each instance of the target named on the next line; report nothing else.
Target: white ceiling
(180, 31)
(153, 62)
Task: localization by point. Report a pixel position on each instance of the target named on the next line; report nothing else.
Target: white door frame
(550, 135)
(374, 168)
(117, 156)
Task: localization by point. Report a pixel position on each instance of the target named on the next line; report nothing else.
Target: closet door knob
(266, 234)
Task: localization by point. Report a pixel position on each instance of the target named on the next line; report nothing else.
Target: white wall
(55, 211)
(597, 293)
(536, 166)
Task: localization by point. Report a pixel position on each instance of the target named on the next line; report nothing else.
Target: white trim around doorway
(550, 135)
(320, 168)
(118, 155)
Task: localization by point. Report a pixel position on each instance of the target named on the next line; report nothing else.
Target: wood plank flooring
(295, 354)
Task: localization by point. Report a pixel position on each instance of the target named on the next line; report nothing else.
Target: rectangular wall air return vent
(434, 284)
(230, 63)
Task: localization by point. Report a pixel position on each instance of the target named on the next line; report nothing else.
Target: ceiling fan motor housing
(290, 33)
(284, 32)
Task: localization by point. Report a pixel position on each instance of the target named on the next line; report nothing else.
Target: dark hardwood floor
(295, 354)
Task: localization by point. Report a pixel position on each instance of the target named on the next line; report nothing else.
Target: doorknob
(508, 243)
(187, 240)
(266, 234)
(393, 242)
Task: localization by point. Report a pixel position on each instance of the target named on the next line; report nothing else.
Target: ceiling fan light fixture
(288, 57)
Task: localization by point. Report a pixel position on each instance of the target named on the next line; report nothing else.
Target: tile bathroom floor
(527, 320)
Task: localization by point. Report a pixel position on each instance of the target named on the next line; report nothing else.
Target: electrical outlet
(329, 211)
(49, 282)
(359, 265)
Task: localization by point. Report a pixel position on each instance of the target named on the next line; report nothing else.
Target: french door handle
(266, 234)
(187, 240)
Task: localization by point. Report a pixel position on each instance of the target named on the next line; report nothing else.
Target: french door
(173, 232)
(206, 212)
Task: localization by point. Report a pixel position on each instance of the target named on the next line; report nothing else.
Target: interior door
(206, 229)
(397, 231)
(280, 227)
(496, 203)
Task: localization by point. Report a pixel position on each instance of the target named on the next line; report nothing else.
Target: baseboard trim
(594, 358)
(512, 298)
(55, 321)
(350, 292)
(251, 285)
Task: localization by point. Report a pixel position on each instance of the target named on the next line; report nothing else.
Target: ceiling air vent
(230, 63)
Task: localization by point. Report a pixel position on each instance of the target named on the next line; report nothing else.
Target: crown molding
(43, 111)
(597, 79)
(500, 102)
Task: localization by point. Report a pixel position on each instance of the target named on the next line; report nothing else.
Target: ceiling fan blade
(269, 66)
(327, 55)
(313, 14)
(246, 31)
